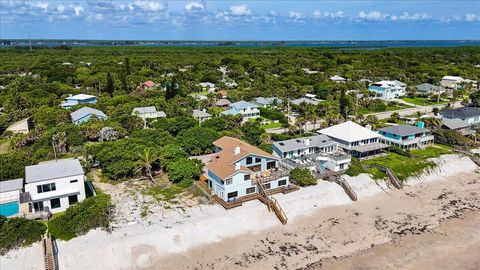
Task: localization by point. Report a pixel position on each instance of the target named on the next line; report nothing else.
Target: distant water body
(365, 45)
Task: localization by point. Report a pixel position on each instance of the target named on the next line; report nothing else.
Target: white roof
(349, 132)
(81, 97)
(200, 113)
(52, 170)
(10, 185)
(452, 78)
(310, 95)
(337, 78)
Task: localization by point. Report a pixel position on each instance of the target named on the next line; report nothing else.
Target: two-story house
(237, 168)
(246, 109)
(427, 88)
(313, 149)
(452, 82)
(456, 124)
(388, 89)
(84, 114)
(471, 115)
(78, 99)
(406, 136)
(148, 113)
(356, 140)
(53, 186)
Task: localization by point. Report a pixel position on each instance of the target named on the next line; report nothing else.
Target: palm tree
(145, 161)
(60, 140)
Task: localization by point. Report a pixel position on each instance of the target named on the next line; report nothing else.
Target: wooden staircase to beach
(467, 153)
(49, 254)
(346, 187)
(272, 203)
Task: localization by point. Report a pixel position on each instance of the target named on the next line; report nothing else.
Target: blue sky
(240, 20)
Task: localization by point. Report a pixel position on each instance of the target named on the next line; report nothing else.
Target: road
(427, 110)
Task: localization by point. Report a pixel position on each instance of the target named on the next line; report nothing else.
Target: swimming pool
(9, 209)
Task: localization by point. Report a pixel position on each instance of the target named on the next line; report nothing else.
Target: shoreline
(181, 239)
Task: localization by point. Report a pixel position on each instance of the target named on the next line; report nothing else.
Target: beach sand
(324, 227)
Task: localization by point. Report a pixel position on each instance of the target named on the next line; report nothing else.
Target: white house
(201, 115)
(237, 168)
(452, 82)
(207, 86)
(356, 140)
(78, 99)
(246, 109)
(338, 79)
(55, 185)
(148, 112)
(312, 151)
(307, 99)
(388, 89)
(21, 126)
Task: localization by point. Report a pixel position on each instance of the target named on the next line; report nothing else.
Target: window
(73, 181)
(55, 203)
(258, 160)
(232, 195)
(282, 182)
(270, 165)
(72, 199)
(250, 190)
(46, 188)
(267, 186)
(228, 181)
(246, 177)
(249, 160)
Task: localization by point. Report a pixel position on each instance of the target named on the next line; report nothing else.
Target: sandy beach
(325, 229)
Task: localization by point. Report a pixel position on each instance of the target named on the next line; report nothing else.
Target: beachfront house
(456, 124)
(267, 102)
(407, 136)
(237, 168)
(307, 99)
(201, 115)
(53, 186)
(85, 114)
(356, 140)
(10, 191)
(471, 115)
(313, 151)
(23, 126)
(452, 82)
(388, 89)
(78, 99)
(427, 88)
(246, 109)
(338, 79)
(148, 113)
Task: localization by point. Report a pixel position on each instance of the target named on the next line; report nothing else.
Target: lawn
(4, 146)
(272, 125)
(388, 108)
(405, 167)
(422, 101)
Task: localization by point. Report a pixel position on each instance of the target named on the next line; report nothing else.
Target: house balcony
(412, 142)
(269, 175)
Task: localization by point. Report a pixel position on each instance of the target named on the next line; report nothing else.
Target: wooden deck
(49, 254)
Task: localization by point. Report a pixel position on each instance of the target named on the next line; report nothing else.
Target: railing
(410, 142)
(390, 174)
(274, 175)
(278, 211)
(49, 254)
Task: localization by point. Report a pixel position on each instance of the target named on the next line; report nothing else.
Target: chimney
(237, 166)
(70, 95)
(368, 127)
(236, 150)
(307, 142)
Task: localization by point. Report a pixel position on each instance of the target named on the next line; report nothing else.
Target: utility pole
(54, 150)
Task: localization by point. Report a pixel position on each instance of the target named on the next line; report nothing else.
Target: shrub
(197, 140)
(355, 168)
(82, 217)
(19, 232)
(302, 177)
(273, 114)
(184, 171)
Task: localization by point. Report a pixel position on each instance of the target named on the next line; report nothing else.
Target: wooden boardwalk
(49, 254)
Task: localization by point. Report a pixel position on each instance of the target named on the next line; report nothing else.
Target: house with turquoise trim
(388, 89)
(78, 99)
(85, 114)
(246, 109)
(407, 136)
(237, 168)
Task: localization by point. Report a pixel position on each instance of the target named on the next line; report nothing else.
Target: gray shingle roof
(11, 185)
(462, 113)
(142, 110)
(200, 113)
(455, 123)
(80, 113)
(427, 87)
(242, 104)
(53, 170)
(304, 100)
(300, 143)
(403, 130)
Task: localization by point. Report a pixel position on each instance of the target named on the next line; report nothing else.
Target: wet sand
(431, 225)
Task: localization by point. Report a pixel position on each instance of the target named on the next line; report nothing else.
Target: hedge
(81, 217)
(19, 232)
(303, 177)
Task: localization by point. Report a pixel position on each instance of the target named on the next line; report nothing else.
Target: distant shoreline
(340, 44)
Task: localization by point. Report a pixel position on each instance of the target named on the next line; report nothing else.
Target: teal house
(85, 114)
(406, 136)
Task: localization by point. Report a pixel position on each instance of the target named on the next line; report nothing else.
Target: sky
(240, 20)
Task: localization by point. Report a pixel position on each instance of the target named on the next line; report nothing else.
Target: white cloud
(317, 14)
(78, 10)
(240, 10)
(407, 17)
(472, 17)
(42, 5)
(60, 8)
(372, 16)
(195, 5)
(150, 5)
(294, 15)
